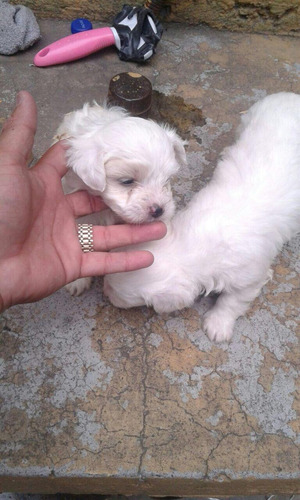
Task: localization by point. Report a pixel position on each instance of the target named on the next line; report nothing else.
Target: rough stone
(260, 16)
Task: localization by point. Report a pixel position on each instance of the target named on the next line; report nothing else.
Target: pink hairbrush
(135, 33)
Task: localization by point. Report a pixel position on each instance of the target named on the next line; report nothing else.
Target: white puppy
(128, 161)
(224, 241)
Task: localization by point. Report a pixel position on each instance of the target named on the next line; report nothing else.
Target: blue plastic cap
(81, 24)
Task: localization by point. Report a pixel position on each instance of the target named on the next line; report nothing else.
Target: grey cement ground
(92, 392)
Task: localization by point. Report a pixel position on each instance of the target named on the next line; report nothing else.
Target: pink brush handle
(75, 46)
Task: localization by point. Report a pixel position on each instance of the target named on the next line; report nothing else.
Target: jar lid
(131, 91)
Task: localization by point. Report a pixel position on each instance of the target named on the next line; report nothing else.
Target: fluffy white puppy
(224, 241)
(128, 161)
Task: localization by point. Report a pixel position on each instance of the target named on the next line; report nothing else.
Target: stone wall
(260, 16)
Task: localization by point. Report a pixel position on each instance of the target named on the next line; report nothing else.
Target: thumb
(17, 136)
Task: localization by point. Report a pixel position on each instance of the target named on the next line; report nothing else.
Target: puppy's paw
(218, 326)
(77, 287)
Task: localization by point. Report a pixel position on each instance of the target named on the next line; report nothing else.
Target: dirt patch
(176, 112)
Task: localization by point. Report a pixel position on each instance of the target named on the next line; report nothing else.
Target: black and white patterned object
(137, 32)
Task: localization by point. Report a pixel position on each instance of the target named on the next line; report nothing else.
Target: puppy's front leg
(78, 286)
(219, 320)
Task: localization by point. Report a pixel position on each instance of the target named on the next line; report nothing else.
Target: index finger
(53, 159)
(17, 136)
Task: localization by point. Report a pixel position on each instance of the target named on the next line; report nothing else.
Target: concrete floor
(100, 400)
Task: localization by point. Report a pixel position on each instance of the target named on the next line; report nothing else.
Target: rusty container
(131, 91)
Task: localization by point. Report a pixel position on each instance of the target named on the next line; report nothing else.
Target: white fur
(107, 147)
(224, 241)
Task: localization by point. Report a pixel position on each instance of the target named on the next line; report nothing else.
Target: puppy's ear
(86, 158)
(178, 145)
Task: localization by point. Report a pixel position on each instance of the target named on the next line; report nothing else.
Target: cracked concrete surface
(100, 400)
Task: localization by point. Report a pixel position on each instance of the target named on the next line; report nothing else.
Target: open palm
(39, 247)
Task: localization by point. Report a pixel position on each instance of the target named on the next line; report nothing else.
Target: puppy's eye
(126, 182)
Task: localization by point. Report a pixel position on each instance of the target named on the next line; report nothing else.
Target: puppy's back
(259, 176)
(275, 111)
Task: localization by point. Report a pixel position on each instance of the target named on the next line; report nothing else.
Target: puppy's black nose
(156, 211)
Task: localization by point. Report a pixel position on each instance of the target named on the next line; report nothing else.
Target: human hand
(39, 247)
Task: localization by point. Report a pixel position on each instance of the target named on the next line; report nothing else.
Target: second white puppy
(128, 161)
(224, 241)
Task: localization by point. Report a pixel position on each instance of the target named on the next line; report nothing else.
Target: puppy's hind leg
(219, 320)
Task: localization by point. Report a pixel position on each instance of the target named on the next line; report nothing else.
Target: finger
(109, 237)
(98, 263)
(54, 159)
(17, 136)
(83, 203)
